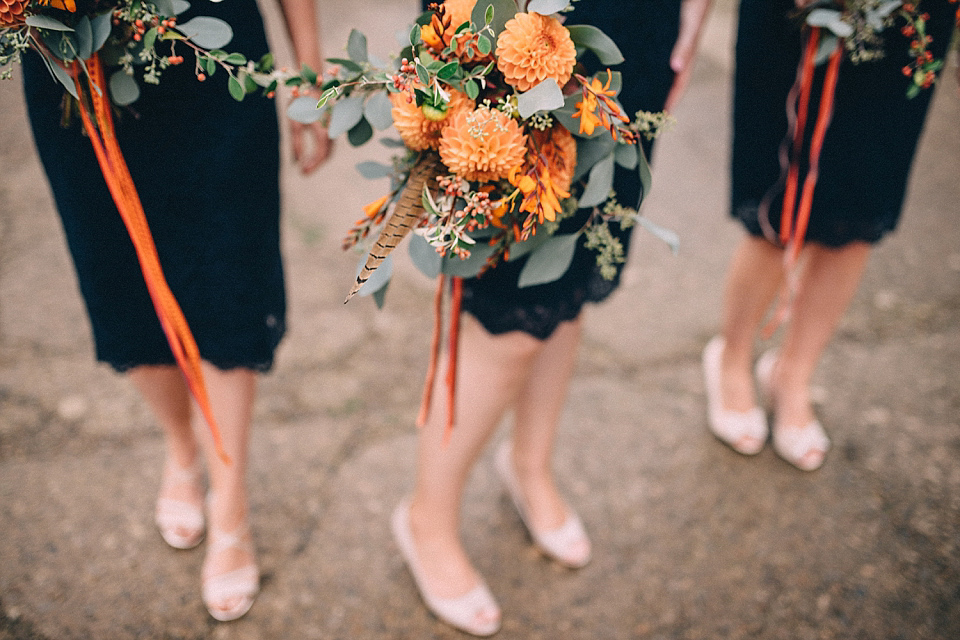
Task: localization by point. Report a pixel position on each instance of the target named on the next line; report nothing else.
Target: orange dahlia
(483, 144)
(11, 12)
(533, 48)
(416, 130)
(459, 12)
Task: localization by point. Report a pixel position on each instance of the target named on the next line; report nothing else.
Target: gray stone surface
(692, 540)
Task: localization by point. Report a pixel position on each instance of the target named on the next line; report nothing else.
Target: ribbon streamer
(453, 342)
(100, 129)
(794, 217)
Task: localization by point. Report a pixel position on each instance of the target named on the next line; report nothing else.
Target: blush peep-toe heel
(743, 431)
(475, 612)
(181, 523)
(228, 596)
(806, 446)
(568, 544)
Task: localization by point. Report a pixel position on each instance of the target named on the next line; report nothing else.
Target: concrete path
(692, 540)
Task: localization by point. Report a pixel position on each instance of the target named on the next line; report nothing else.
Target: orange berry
(201, 77)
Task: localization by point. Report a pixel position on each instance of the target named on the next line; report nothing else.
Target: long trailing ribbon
(100, 129)
(456, 297)
(794, 217)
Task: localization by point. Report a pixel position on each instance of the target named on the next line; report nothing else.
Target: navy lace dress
(869, 146)
(206, 168)
(645, 31)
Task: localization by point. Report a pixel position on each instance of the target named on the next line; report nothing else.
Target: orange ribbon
(456, 297)
(794, 217)
(100, 129)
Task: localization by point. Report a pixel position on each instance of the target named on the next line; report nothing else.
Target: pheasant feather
(405, 217)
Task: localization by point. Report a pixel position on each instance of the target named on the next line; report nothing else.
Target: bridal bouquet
(856, 27)
(100, 51)
(502, 137)
(135, 40)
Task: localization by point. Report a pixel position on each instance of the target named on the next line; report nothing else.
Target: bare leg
(754, 278)
(827, 284)
(492, 370)
(539, 407)
(231, 395)
(166, 393)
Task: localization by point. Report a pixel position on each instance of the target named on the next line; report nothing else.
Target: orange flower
(66, 5)
(594, 94)
(11, 12)
(429, 36)
(558, 149)
(459, 12)
(482, 145)
(417, 131)
(371, 210)
(533, 48)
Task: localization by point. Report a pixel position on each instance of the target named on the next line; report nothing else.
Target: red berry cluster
(921, 67)
(405, 77)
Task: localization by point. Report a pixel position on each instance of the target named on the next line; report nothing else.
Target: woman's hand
(311, 145)
(692, 15)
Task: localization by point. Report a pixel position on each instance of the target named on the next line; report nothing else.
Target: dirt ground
(692, 541)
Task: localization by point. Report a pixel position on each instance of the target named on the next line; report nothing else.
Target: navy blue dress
(869, 145)
(207, 171)
(645, 31)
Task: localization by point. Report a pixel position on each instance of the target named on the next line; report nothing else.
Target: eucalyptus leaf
(547, 7)
(503, 10)
(646, 177)
(830, 19)
(827, 45)
(626, 155)
(471, 266)
(345, 115)
(667, 235)
(599, 184)
(165, 8)
(392, 143)
(84, 33)
(549, 262)
(347, 64)
(374, 170)
(520, 249)
(592, 38)
(543, 97)
(360, 133)
(61, 76)
(179, 6)
(378, 279)
(101, 26)
(357, 46)
(380, 295)
(424, 257)
(46, 22)
(377, 111)
(123, 88)
(207, 32)
(589, 152)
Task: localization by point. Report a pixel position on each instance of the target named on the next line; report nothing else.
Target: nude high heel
(743, 431)
(228, 596)
(568, 544)
(181, 523)
(475, 612)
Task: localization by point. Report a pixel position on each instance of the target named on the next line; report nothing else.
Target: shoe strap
(175, 475)
(238, 539)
